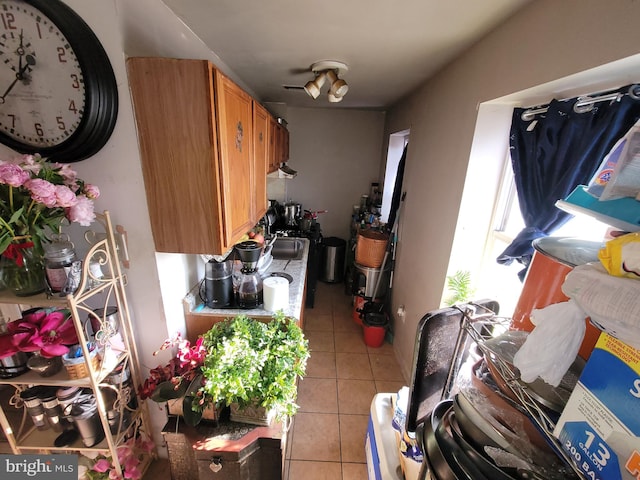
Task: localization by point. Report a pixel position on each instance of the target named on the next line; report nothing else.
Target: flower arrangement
(130, 456)
(49, 331)
(239, 360)
(181, 377)
(36, 196)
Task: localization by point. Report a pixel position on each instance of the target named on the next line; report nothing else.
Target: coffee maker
(249, 293)
(218, 283)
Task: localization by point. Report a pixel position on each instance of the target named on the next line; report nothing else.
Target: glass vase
(22, 268)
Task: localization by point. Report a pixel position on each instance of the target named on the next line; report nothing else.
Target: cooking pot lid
(568, 250)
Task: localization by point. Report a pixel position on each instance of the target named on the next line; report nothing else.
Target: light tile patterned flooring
(326, 440)
(343, 375)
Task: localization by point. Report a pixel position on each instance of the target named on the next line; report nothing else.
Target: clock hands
(20, 51)
(31, 61)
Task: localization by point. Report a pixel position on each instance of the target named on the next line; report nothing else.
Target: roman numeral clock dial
(58, 94)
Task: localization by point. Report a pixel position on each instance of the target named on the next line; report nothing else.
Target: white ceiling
(390, 47)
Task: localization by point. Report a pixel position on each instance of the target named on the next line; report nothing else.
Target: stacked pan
(483, 432)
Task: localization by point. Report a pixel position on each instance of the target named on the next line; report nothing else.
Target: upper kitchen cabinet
(274, 156)
(279, 145)
(261, 148)
(195, 130)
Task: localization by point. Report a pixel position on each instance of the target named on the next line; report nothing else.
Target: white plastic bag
(611, 302)
(552, 346)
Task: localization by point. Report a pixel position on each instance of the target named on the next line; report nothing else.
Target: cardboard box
(600, 426)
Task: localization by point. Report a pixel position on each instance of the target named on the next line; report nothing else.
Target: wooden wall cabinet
(204, 185)
(279, 145)
(261, 149)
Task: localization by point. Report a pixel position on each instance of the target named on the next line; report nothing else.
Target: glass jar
(58, 257)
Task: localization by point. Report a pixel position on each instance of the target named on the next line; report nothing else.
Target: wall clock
(58, 92)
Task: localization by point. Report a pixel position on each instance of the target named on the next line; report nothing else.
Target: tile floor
(343, 374)
(326, 440)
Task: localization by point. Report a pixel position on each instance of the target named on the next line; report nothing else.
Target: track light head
(313, 87)
(333, 98)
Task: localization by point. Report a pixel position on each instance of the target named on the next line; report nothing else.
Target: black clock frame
(101, 90)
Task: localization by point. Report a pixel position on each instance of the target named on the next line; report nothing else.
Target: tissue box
(600, 426)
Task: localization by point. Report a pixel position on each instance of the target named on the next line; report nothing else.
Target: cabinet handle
(216, 464)
(239, 136)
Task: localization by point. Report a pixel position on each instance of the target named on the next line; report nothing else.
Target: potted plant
(177, 383)
(252, 365)
(241, 363)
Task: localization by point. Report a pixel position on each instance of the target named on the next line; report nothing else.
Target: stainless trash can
(333, 252)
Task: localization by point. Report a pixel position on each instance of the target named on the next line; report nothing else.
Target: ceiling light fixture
(331, 70)
(313, 86)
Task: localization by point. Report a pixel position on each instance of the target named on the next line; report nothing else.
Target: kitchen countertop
(296, 268)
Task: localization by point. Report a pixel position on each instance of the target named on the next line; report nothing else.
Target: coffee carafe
(250, 283)
(218, 284)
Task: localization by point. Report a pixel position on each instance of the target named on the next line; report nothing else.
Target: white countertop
(296, 268)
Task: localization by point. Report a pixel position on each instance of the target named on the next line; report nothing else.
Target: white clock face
(42, 90)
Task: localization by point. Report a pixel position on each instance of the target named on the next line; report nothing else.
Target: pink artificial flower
(7, 346)
(133, 473)
(192, 357)
(113, 475)
(125, 452)
(42, 191)
(101, 465)
(13, 175)
(91, 191)
(82, 211)
(65, 196)
(50, 334)
(64, 170)
(30, 163)
(22, 332)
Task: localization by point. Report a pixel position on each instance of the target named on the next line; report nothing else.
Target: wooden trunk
(230, 451)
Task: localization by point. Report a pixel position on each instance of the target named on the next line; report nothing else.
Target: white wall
(337, 154)
(545, 41)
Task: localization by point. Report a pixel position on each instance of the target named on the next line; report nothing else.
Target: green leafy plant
(239, 360)
(459, 284)
(249, 361)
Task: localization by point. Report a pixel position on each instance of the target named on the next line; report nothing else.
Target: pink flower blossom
(67, 173)
(91, 191)
(82, 212)
(101, 465)
(7, 346)
(65, 196)
(13, 175)
(31, 163)
(48, 332)
(133, 473)
(42, 191)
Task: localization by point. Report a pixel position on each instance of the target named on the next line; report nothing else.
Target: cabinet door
(174, 109)
(261, 159)
(274, 159)
(284, 144)
(235, 135)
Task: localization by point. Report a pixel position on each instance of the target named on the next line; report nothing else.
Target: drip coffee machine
(250, 283)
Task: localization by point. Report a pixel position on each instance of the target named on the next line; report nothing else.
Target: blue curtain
(554, 153)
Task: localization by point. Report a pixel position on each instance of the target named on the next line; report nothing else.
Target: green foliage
(459, 284)
(250, 360)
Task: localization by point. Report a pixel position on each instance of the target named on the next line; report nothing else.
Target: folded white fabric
(552, 346)
(611, 302)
